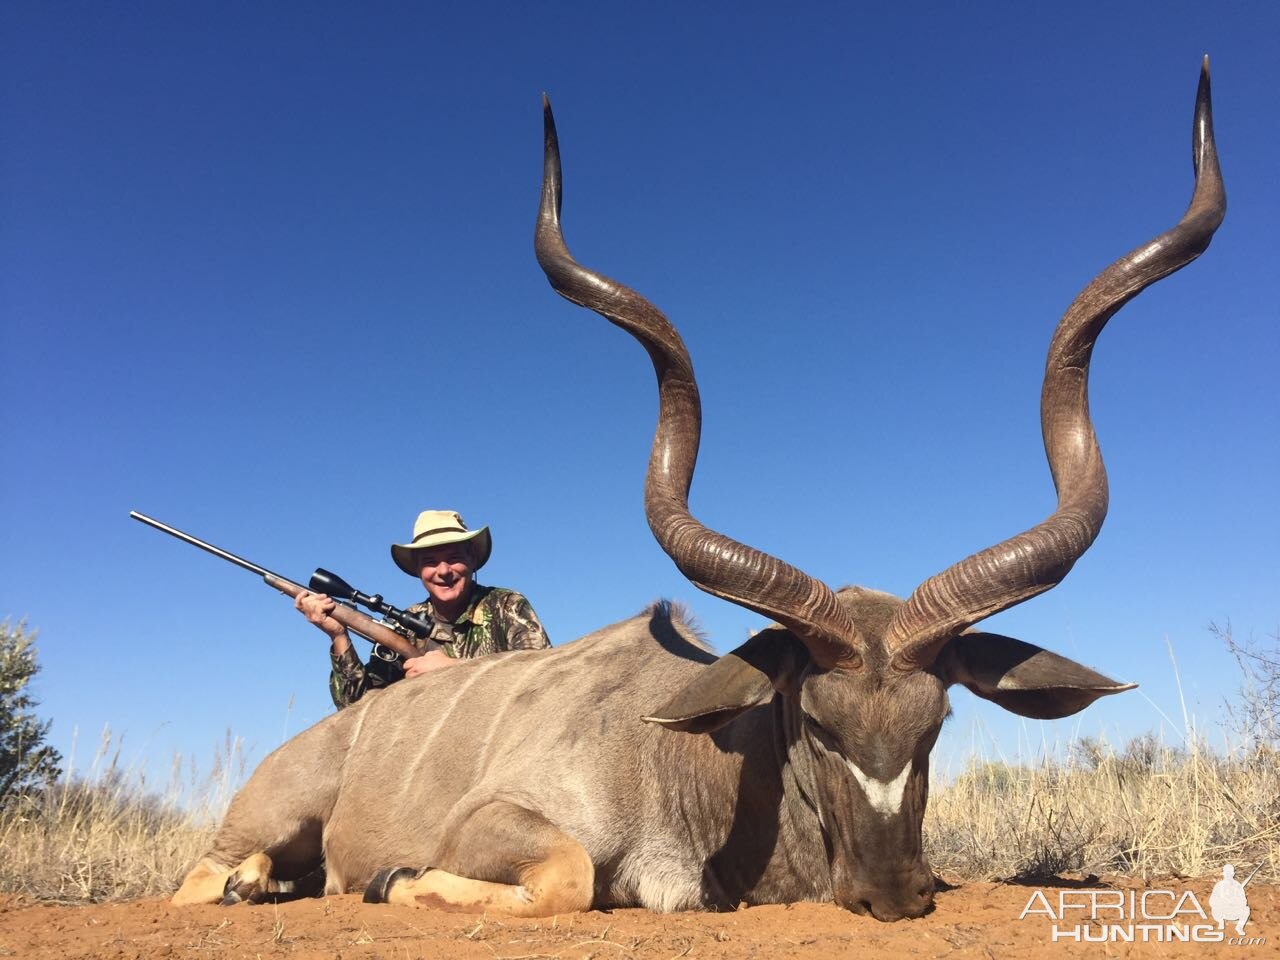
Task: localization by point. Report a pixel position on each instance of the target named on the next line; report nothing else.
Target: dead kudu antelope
(793, 768)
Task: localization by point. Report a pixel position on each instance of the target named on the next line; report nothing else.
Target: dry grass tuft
(109, 836)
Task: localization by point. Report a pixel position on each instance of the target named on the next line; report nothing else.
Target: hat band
(430, 533)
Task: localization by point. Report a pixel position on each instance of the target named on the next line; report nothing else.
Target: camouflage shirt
(495, 620)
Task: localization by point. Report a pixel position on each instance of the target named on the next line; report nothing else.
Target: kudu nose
(906, 906)
(899, 902)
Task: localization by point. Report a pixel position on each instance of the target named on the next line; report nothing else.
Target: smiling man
(468, 620)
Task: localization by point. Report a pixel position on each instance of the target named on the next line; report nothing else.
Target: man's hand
(432, 660)
(317, 607)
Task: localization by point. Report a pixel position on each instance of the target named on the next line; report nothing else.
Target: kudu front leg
(250, 882)
(504, 859)
(270, 843)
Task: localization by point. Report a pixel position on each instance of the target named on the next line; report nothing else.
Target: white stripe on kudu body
(885, 797)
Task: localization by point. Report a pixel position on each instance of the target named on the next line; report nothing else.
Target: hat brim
(402, 553)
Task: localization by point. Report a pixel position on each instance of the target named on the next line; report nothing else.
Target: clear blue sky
(268, 277)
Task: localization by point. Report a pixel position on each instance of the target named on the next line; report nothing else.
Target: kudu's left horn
(1035, 560)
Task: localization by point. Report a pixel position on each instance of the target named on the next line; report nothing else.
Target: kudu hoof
(241, 891)
(380, 886)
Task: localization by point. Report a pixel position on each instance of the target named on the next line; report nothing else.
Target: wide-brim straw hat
(435, 528)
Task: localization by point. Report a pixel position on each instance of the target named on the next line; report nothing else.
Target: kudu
(793, 768)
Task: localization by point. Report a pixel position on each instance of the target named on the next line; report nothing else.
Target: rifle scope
(322, 581)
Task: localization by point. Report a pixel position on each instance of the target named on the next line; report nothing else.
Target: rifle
(1255, 872)
(322, 581)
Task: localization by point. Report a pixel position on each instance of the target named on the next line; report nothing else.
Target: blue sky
(268, 277)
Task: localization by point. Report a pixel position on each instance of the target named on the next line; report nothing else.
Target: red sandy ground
(970, 920)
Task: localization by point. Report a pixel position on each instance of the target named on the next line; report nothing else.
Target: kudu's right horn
(712, 562)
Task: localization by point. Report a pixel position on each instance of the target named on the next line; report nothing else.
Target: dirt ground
(970, 920)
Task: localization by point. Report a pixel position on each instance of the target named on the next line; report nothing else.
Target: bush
(1256, 715)
(26, 761)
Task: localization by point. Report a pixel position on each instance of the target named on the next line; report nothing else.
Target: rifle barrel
(348, 616)
(207, 547)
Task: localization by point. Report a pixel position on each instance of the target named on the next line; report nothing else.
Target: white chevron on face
(885, 797)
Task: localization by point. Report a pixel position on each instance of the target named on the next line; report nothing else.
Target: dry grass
(1149, 810)
(107, 835)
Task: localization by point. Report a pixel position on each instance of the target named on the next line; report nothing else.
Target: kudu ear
(770, 662)
(1021, 677)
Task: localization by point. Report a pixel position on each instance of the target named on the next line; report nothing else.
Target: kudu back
(634, 767)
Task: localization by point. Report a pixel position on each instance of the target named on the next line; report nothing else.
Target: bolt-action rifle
(322, 581)
(1255, 872)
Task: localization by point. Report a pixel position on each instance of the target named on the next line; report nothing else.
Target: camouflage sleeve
(521, 626)
(347, 680)
(350, 679)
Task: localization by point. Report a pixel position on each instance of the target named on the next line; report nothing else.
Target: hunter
(468, 620)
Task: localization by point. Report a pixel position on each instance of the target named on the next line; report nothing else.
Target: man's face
(446, 572)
